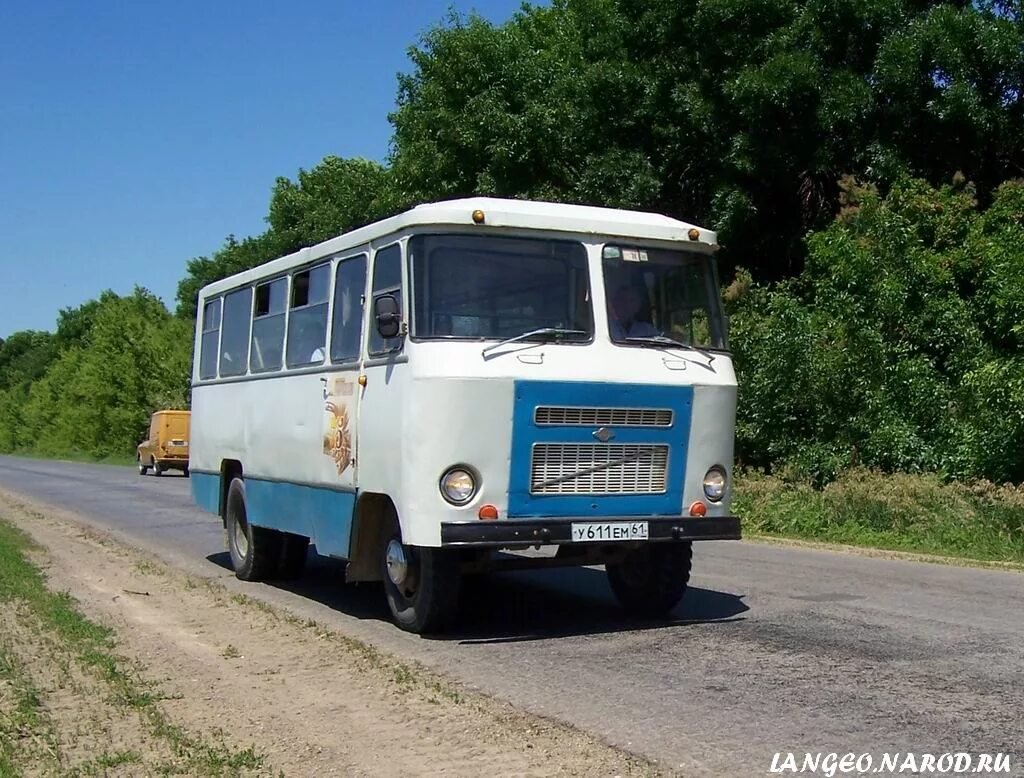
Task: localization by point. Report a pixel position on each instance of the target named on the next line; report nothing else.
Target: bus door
(383, 397)
(341, 390)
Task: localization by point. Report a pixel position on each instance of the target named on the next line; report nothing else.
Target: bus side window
(347, 324)
(234, 341)
(267, 346)
(307, 322)
(387, 279)
(211, 335)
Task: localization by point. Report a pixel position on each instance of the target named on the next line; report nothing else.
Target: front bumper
(515, 532)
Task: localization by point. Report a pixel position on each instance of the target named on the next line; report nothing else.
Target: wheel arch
(372, 520)
(229, 470)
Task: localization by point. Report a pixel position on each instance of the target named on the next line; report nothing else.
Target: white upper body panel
(525, 215)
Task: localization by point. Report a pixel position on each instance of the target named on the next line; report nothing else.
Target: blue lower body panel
(206, 490)
(322, 515)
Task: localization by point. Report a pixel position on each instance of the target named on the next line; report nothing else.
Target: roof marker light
(478, 216)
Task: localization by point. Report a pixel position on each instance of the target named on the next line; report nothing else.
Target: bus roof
(516, 214)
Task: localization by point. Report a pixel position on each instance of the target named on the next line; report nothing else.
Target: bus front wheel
(651, 580)
(422, 585)
(255, 551)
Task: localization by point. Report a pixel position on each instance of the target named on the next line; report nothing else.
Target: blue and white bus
(425, 394)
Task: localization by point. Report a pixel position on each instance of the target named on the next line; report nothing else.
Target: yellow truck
(166, 448)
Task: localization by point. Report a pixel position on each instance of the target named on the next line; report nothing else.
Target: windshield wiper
(661, 340)
(546, 332)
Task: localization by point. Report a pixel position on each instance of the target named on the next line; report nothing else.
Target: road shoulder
(884, 553)
(308, 699)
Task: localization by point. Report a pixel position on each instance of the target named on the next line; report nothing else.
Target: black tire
(157, 469)
(142, 468)
(185, 472)
(428, 600)
(651, 580)
(294, 549)
(255, 551)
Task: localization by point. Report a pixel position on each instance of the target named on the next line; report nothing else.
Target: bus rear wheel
(422, 585)
(255, 551)
(651, 580)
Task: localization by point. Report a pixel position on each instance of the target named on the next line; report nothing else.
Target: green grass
(102, 764)
(116, 460)
(92, 645)
(917, 513)
(25, 721)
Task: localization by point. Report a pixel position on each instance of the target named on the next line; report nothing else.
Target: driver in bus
(627, 302)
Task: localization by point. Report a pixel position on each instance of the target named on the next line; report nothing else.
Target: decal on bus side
(338, 397)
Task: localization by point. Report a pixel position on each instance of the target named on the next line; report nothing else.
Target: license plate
(594, 532)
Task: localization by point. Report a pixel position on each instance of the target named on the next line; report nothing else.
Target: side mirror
(389, 320)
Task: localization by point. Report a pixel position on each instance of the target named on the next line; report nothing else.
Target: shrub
(897, 347)
(900, 511)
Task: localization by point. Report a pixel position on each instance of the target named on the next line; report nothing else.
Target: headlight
(458, 486)
(714, 484)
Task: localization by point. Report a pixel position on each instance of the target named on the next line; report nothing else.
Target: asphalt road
(773, 648)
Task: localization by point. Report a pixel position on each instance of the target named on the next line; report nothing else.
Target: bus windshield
(662, 294)
(483, 287)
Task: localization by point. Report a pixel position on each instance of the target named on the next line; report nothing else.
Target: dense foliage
(876, 323)
(898, 347)
(738, 114)
(899, 511)
(89, 389)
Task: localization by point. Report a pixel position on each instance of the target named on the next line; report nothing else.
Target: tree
(898, 347)
(129, 358)
(24, 357)
(233, 257)
(335, 196)
(739, 114)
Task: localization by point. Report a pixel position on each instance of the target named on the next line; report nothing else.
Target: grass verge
(26, 730)
(116, 460)
(472, 719)
(900, 512)
(26, 733)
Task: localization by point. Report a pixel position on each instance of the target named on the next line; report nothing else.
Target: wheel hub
(397, 563)
(241, 538)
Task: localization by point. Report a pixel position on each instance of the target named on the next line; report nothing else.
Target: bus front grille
(598, 469)
(569, 416)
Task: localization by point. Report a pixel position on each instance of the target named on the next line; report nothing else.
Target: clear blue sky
(136, 135)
